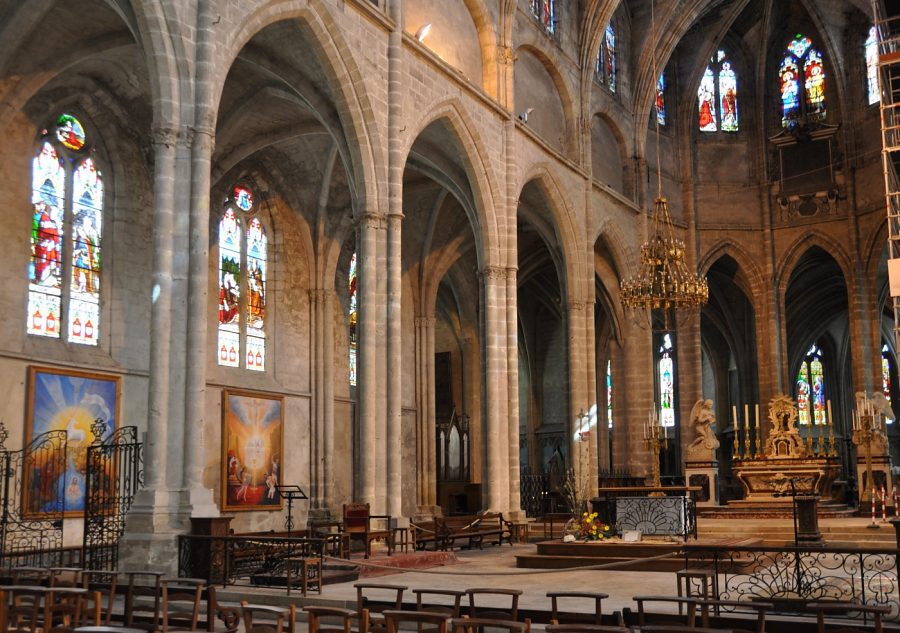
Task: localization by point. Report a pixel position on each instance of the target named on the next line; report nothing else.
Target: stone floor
(492, 567)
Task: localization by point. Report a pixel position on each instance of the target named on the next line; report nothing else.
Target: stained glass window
(609, 57)
(545, 13)
(243, 267)
(666, 372)
(717, 96)
(67, 200)
(706, 99)
(871, 49)
(811, 400)
(351, 318)
(609, 394)
(801, 61)
(661, 99)
(886, 375)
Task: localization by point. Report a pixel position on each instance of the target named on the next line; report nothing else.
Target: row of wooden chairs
(704, 614)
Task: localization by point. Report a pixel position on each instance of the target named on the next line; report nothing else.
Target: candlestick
(736, 443)
(747, 445)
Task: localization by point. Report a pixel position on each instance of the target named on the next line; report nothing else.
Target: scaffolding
(888, 30)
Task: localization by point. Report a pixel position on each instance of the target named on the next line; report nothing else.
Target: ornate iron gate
(114, 475)
(32, 501)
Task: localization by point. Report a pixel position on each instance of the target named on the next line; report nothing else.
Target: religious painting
(71, 401)
(252, 430)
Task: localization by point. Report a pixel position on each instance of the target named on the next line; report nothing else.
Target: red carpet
(413, 560)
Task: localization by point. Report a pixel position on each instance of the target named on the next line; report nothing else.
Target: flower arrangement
(591, 528)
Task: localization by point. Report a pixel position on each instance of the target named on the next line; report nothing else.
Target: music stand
(290, 492)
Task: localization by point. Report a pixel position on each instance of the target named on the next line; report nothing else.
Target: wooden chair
(335, 619)
(709, 607)
(24, 610)
(577, 617)
(181, 598)
(142, 600)
(452, 611)
(228, 614)
(477, 625)
(586, 628)
(30, 576)
(105, 583)
(64, 606)
(65, 576)
(365, 602)
(357, 523)
(488, 612)
(304, 566)
(875, 612)
(265, 619)
(421, 619)
(690, 604)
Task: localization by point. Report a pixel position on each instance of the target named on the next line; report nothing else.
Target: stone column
(327, 390)
(317, 436)
(431, 416)
(496, 454)
(151, 525)
(367, 391)
(512, 374)
(199, 497)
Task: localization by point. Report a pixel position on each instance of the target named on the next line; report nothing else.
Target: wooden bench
(474, 530)
(427, 532)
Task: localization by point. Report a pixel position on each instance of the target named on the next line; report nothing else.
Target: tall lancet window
(609, 394)
(544, 12)
(871, 48)
(661, 99)
(66, 229)
(801, 83)
(243, 278)
(811, 388)
(666, 376)
(717, 96)
(607, 64)
(351, 319)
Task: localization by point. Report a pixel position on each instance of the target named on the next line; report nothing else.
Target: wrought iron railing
(790, 577)
(534, 489)
(242, 560)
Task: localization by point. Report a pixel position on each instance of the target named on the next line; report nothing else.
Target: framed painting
(252, 440)
(65, 400)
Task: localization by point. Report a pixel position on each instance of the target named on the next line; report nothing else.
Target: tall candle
(830, 422)
(747, 417)
(757, 416)
(734, 416)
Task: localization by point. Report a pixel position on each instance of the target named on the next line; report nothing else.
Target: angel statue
(704, 446)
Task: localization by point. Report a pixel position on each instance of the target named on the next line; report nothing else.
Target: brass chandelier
(664, 281)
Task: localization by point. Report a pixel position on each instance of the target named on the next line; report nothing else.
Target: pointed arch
(564, 92)
(479, 172)
(799, 247)
(733, 250)
(338, 63)
(561, 220)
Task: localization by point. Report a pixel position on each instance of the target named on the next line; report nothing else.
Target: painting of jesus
(252, 426)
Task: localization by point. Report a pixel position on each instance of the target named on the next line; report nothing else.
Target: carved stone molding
(167, 136)
(507, 55)
(493, 272)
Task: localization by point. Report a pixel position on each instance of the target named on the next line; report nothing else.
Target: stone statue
(703, 419)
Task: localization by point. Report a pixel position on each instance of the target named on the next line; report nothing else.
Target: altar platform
(556, 554)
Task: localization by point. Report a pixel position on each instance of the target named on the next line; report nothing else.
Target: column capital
(425, 321)
(318, 295)
(165, 135)
(507, 55)
(574, 305)
(371, 220)
(493, 272)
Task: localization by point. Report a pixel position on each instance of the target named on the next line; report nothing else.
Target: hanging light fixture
(663, 281)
